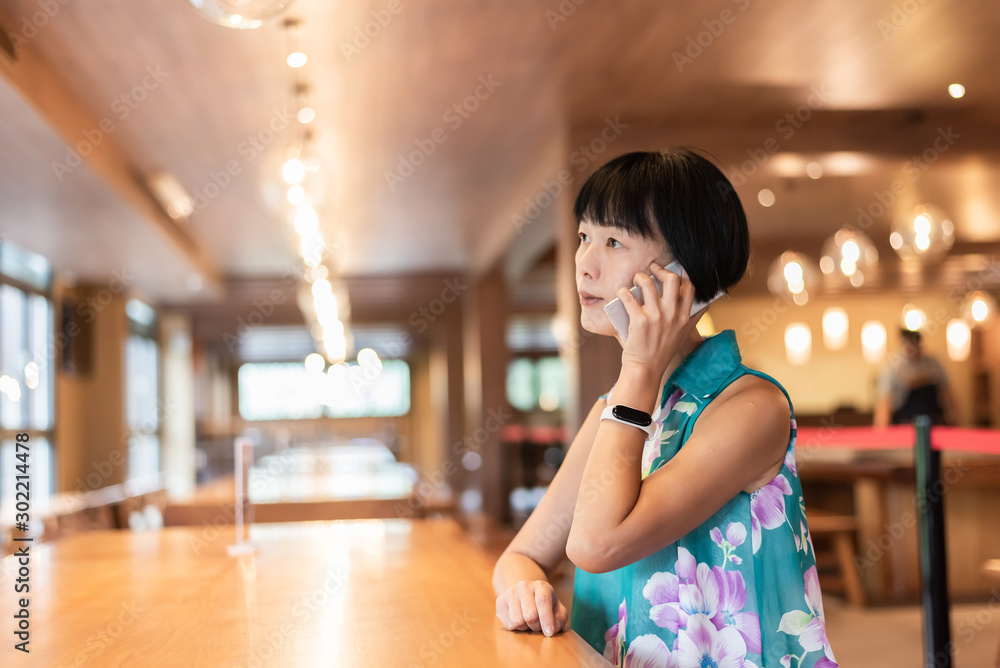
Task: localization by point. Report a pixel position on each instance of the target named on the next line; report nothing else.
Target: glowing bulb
(959, 339)
(293, 171)
(826, 264)
(296, 59)
(896, 240)
(235, 19)
(368, 358)
(847, 267)
(956, 90)
(798, 342)
(765, 197)
(315, 363)
(980, 310)
(306, 115)
(793, 272)
(850, 251)
(306, 220)
(322, 287)
(296, 195)
(31, 375)
(922, 242)
(913, 318)
(873, 338)
(814, 170)
(835, 328)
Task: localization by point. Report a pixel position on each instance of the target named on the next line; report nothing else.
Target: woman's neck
(689, 346)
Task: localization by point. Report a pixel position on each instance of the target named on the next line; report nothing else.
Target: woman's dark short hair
(687, 198)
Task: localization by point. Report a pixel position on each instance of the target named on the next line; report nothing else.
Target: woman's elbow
(588, 554)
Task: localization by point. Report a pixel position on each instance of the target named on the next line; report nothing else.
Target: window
(536, 383)
(142, 416)
(288, 391)
(27, 368)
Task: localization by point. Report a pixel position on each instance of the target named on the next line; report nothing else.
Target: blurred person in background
(913, 384)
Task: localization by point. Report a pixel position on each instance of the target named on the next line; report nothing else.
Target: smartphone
(619, 316)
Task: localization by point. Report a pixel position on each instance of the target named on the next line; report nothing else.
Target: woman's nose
(587, 262)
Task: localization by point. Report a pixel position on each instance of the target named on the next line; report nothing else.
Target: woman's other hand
(531, 604)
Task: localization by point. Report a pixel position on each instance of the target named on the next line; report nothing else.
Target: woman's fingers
(561, 616)
(544, 602)
(529, 610)
(531, 606)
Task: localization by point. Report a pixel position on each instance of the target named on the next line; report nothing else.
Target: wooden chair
(841, 529)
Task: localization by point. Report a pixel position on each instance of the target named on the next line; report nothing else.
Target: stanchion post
(933, 558)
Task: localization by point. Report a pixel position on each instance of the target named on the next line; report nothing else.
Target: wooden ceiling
(867, 78)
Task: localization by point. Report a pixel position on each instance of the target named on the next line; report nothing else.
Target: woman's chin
(600, 325)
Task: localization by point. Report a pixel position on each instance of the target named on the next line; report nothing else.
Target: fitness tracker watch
(630, 416)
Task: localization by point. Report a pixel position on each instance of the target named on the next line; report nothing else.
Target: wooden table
(383, 593)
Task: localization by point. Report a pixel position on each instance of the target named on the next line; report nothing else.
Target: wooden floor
(888, 637)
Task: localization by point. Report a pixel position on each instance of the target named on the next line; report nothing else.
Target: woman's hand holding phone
(659, 324)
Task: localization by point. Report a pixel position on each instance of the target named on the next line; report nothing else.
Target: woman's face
(607, 259)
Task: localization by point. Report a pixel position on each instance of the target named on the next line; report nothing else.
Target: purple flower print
(732, 599)
(736, 534)
(701, 644)
(694, 589)
(649, 651)
(767, 507)
(810, 627)
(614, 638)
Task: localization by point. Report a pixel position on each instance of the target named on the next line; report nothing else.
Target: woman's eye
(582, 237)
(614, 243)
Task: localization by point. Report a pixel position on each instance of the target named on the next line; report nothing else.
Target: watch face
(632, 415)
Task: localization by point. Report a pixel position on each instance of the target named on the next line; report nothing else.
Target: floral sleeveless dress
(741, 590)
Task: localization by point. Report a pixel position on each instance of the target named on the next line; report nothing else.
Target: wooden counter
(382, 593)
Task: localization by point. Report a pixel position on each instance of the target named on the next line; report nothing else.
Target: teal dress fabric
(741, 590)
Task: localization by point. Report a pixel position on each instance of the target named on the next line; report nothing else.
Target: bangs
(620, 195)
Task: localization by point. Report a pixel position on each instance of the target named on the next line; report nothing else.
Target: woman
(689, 536)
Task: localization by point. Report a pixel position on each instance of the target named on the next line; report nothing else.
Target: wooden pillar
(91, 435)
(485, 382)
(450, 341)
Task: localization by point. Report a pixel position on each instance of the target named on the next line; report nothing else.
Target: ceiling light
(924, 233)
(765, 197)
(913, 318)
(240, 14)
(959, 339)
(835, 323)
(296, 59)
(852, 253)
(956, 90)
(978, 309)
(798, 343)
(170, 194)
(306, 115)
(873, 338)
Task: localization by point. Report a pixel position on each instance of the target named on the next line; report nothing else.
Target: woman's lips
(587, 299)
